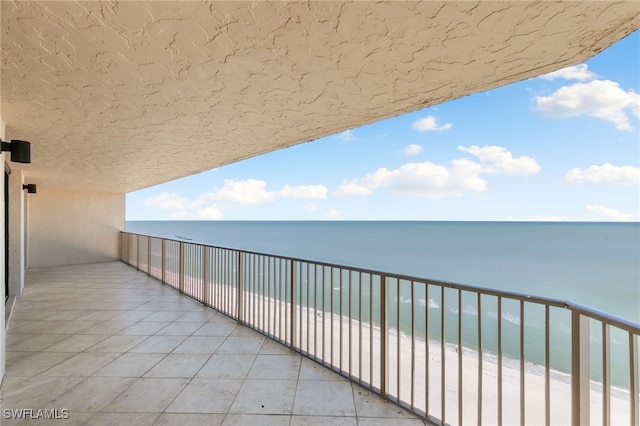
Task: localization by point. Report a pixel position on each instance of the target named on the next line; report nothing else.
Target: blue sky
(561, 147)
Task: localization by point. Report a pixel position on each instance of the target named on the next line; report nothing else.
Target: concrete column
(16, 232)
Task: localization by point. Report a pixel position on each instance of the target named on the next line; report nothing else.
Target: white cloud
(233, 194)
(237, 193)
(430, 123)
(352, 188)
(602, 99)
(604, 174)
(346, 136)
(608, 213)
(427, 179)
(167, 201)
(500, 160)
(412, 149)
(437, 181)
(577, 72)
(309, 191)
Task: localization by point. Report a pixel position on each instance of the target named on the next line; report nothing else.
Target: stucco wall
(69, 227)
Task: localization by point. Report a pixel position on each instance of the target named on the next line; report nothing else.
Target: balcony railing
(452, 353)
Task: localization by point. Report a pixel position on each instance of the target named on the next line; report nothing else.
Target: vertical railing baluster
(384, 338)
(547, 368)
(480, 357)
(606, 370)
(413, 345)
(499, 361)
(442, 356)
(148, 255)
(460, 357)
(633, 379)
(398, 345)
(205, 275)
(181, 269)
(240, 289)
(522, 365)
(164, 263)
(426, 349)
(579, 369)
(293, 304)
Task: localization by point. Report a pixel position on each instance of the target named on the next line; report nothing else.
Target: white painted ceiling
(118, 96)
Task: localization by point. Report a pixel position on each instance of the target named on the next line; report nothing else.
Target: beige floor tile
(129, 419)
(118, 343)
(147, 395)
(60, 418)
(72, 327)
(323, 421)
(108, 327)
(179, 329)
(282, 367)
(37, 392)
(133, 315)
(256, 420)
(164, 316)
(144, 328)
(92, 394)
(184, 419)
(76, 343)
(369, 404)
(389, 422)
(158, 344)
(36, 342)
(199, 345)
(178, 365)
(36, 363)
(206, 396)
(130, 365)
(83, 364)
(241, 345)
(324, 398)
(265, 397)
(311, 370)
(271, 347)
(203, 315)
(226, 367)
(215, 329)
(100, 315)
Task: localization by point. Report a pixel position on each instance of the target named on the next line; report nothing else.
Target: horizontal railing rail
(451, 353)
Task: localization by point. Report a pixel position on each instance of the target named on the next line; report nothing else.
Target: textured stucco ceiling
(117, 96)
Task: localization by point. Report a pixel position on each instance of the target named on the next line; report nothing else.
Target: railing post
(633, 379)
(240, 289)
(138, 252)
(148, 255)
(580, 404)
(293, 310)
(164, 250)
(384, 338)
(181, 269)
(205, 275)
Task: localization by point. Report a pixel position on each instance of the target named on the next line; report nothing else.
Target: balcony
(107, 344)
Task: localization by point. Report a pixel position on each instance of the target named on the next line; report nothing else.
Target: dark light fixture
(31, 188)
(20, 150)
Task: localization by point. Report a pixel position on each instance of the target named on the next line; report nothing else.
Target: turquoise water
(593, 264)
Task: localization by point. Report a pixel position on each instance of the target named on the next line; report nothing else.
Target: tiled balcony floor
(113, 346)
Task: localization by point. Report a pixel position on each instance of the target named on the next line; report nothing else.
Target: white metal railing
(452, 353)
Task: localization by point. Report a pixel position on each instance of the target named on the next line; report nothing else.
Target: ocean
(594, 264)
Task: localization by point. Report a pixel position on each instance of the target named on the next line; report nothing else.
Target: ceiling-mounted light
(20, 150)
(31, 188)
